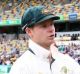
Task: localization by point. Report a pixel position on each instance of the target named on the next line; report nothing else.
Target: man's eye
(44, 26)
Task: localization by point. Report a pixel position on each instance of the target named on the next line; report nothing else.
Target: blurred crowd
(13, 9)
(12, 48)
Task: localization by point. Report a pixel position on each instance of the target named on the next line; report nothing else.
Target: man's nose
(51, 28)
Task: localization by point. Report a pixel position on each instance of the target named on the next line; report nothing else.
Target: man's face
(43, 33)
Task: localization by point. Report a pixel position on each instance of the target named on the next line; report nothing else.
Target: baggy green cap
(36, 14)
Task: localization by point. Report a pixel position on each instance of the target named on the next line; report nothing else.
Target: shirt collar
(38, 50)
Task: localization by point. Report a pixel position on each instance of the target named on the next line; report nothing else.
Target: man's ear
(28, 31)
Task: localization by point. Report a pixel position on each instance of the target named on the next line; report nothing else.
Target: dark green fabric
(34, 15)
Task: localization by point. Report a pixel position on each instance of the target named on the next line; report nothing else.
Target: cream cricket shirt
(29, 63)
(64, 64)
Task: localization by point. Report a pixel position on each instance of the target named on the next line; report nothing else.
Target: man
(40, 58)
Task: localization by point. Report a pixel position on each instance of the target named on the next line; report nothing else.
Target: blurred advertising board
(61, 16)
(4, 69)
(10, 22)
(73, 16)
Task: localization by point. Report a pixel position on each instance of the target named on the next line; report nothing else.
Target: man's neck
(45, 46)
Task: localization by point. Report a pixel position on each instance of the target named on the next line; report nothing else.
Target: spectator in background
(8, 62)
(13, 50)
(4, 51)
(74, 37)
(42, 56)
(0, 61)
(79, 59)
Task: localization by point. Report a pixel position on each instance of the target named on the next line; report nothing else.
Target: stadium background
(14, 42)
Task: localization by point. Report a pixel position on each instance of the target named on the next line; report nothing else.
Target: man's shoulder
(24, 59)
(22, 62)
(65, 57)
(26, 56)
(66, 60)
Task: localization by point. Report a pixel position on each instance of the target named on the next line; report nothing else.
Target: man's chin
(51, 42)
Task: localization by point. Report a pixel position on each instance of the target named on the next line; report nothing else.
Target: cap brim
(49, 17)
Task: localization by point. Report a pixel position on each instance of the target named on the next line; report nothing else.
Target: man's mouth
(52, 36)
